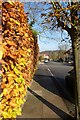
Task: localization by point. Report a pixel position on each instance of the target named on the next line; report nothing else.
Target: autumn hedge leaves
(19, 59)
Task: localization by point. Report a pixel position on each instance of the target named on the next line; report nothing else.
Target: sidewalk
(42, 103)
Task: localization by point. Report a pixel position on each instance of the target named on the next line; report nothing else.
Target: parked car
(71, 62)
(70, 80)
(45, 61)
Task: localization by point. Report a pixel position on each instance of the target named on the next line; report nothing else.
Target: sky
(46, 44)
(47, 40)
(53, 42)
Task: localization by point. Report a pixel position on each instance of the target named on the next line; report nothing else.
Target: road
(47, 97)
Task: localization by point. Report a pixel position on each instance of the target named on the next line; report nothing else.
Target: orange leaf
(12, 56)
(7, 5)
(10, 42)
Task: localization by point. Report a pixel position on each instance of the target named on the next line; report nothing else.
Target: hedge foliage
(20, 56)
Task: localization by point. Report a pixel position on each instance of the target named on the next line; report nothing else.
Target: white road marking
(50, 72)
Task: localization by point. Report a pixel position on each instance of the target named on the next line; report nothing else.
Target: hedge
(20, 56)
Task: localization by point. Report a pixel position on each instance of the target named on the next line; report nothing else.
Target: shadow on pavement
(69, 90)
(44, 81)
(55, 109)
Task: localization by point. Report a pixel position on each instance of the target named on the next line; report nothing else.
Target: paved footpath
(44, 101)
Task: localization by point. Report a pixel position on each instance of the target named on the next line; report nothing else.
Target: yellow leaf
(29, 50)
(10, 2)
(5, 91)
(1, 53)
(26, 35)
(11, 74)
(12, 20)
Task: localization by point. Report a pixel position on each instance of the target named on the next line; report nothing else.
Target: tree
(68, 19)
(62, 50)
(40, 58)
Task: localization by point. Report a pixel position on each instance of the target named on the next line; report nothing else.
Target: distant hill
(49, 52)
